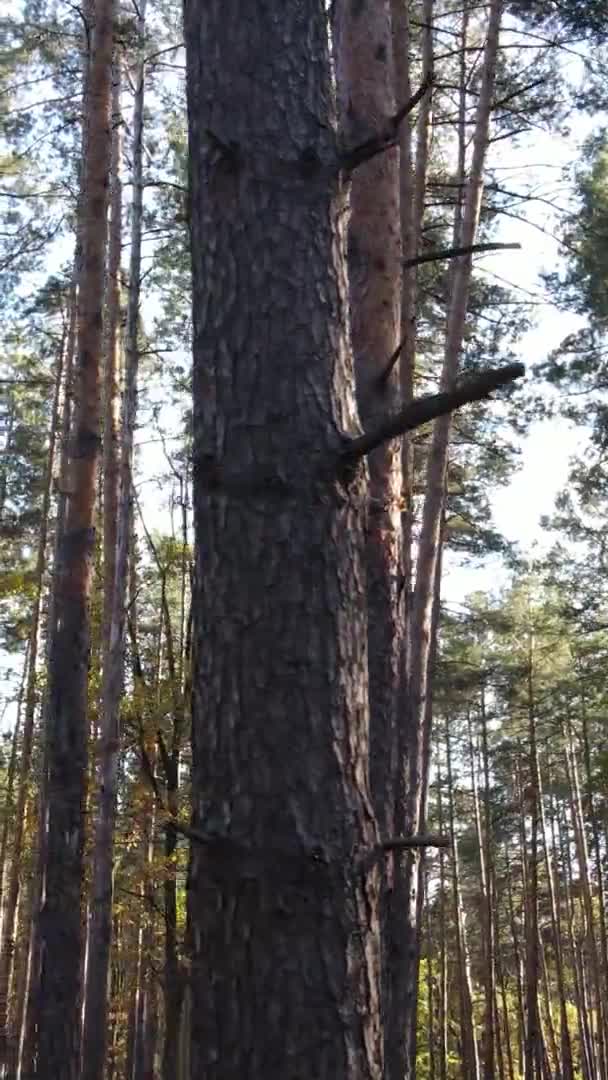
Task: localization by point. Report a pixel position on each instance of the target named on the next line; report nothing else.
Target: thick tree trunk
(66, 737)
(284, 921)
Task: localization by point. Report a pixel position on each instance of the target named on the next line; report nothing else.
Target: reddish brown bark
(67, 728)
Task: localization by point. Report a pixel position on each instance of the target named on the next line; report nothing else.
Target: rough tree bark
(285, 936)
(283, 910)
(66, 736)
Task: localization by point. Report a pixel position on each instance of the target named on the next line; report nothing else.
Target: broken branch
(437, 256)
(422, 840)
(385, 139)
(454, 252)
(421, 410)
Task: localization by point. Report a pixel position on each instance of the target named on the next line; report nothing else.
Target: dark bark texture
(283, 918)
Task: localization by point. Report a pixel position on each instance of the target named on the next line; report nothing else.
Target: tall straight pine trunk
(9, 923)
(283, 915)
(58, 1018)
(100, 918)
(468, 1034)
(365, 81)
(423, 620)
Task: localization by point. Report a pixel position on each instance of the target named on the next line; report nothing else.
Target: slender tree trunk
(27, 1030)
(487, 919)
(100, 915)
(429, 546)
(413, 862)
(283, 926)
(413, 171)
(8, 810)
(364, 72)
(548, 1022)
(6, 450)
(492, 1040)
(533, 1048)
(431, 1037)
(593, 955)
(587, 1063)
(443, 968)
(567, 1065)
(173, 975)
(517, 960)
(597, 852)
(504, 1001)
(7, 950)
(118, 554)
(18, 1000)
(8, 1046)
(145, 1009)
(112, 372)
(60, 920)
(470, 1057)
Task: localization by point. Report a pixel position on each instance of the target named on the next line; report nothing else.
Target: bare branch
(422, 840)
(418, 412)
(385, 139)
(455, 252)
(436, 256)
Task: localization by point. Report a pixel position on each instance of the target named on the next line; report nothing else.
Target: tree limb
(421, 410)
(454, 252)
(385, 139)
(436, 256)
(422, 840)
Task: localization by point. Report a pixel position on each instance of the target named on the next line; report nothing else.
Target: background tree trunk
(60, 918)
(365, 82)
(95, 1029)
